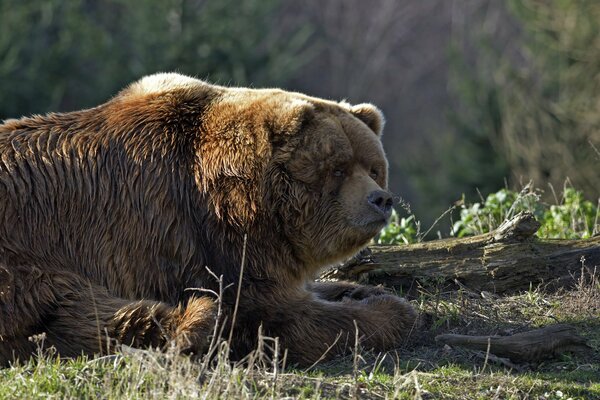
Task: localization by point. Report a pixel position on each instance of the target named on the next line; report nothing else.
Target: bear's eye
(338, 173)
(374, 174)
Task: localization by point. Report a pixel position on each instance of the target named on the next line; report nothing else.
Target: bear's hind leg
(96, 325)
(78, 317)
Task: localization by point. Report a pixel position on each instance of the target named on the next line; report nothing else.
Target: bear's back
(78, 194)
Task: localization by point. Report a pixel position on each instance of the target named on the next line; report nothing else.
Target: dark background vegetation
(478, 94)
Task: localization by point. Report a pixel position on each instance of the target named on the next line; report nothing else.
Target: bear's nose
(381, 201)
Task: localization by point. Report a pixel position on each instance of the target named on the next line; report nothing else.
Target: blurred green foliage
(487, 215)
(573, 217)
(524, 108)
(467, 159)
(60, 55)
(550, 118)
(400, 230)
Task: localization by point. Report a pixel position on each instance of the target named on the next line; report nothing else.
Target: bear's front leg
(338, 291)
(313, 329)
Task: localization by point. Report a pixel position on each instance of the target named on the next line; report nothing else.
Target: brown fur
(108, 215)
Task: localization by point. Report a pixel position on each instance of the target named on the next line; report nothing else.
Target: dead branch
(529, 346)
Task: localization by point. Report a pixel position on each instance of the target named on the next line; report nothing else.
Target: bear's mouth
(371, 226)
(376, 226)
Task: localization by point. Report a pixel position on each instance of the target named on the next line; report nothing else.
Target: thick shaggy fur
(111, 218)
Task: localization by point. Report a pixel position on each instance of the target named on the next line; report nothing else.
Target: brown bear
(115, 221)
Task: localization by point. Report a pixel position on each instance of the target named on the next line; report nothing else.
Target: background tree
(527, 101)
(551, 105)
(62, 55)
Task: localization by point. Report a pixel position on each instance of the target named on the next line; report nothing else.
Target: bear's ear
(370, 115)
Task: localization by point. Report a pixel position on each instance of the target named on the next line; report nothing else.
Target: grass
(422, 370)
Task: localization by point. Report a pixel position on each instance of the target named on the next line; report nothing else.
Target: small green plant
(399, 231)
(483, 217)
(573, 218)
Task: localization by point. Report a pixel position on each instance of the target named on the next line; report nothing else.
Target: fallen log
(531, 346)
(506, 260)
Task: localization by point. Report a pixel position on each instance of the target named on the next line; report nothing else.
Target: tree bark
(506, 260)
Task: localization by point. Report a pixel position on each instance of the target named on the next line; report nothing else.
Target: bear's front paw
(390, 319)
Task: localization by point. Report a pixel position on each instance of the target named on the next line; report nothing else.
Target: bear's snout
(381, 202)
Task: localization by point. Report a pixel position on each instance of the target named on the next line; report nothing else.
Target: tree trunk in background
(506, 260)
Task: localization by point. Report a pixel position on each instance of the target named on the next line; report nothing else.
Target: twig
(97, 318)
(216, 331)
(436, 221)
(355, 362)
(595, 149)
(596, 229)
(499, 360)
(239, 290)
(339, 335)
(275, 368)
(418, 389)
(487, 355)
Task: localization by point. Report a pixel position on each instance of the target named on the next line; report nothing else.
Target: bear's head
(308, 171)
(333, 195)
